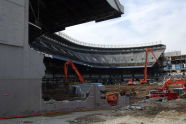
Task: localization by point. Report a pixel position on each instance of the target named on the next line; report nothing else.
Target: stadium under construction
(33, 55)
(97, 64)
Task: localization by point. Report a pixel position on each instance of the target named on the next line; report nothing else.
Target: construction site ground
(136, 92)
(139, 111)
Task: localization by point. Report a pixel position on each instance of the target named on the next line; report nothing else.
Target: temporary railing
(67, 37)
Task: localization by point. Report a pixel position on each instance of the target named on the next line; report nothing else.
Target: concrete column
(21, 68)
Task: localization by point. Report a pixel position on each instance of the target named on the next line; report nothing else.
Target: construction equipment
(166, 91)
(131, 82)
(80, 77)
(144, 81)
(111, 97)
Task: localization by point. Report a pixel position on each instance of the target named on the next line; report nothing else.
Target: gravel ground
(151, 111)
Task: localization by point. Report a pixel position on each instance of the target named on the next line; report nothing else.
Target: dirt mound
(152, 107)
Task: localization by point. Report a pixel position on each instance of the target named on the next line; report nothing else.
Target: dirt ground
(152, 112)
(138, 92)
(140, 111)
(143, 112)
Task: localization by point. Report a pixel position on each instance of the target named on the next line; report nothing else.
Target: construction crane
(146, 64)
(111, 97)
(80, 77)
(173, 82)
(165, 91)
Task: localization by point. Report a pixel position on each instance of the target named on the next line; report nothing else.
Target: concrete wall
(92, 101)
(12, 17)
(21, 68)
(19, 96)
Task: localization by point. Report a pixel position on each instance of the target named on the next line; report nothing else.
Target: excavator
(144, 81)
(111, 97)
(131, 82)
(165, 91)
(80, 77)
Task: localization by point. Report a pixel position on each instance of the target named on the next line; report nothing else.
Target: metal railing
(78, 42)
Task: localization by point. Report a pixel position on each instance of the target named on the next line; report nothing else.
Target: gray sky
(144, 21)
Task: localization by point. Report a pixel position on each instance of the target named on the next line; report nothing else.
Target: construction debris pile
(152, 107)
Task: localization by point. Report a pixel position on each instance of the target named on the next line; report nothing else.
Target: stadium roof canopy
(55, 15)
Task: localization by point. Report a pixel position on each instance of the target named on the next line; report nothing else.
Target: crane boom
(173, 82)
(165, 91)
(146, 64)
(81, 79)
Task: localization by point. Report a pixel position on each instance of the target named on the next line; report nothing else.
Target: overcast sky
(143, 21)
